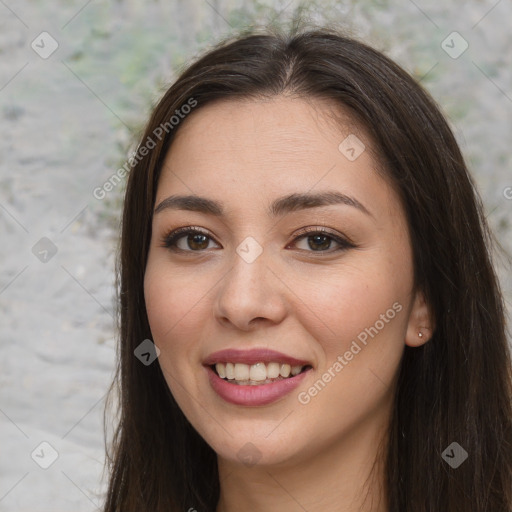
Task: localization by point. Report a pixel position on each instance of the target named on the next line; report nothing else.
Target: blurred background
(78, 79)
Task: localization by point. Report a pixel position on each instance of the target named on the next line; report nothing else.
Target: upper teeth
(256, 372)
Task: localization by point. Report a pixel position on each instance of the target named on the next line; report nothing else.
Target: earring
(420, 335)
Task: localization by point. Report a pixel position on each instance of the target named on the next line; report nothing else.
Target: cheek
(170, 303)
(359, 323)
(341, 305)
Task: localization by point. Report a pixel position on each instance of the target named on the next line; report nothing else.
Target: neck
(338, 477)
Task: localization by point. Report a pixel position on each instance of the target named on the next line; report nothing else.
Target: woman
(303, 244)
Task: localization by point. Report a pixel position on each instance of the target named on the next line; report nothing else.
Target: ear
(421, 323)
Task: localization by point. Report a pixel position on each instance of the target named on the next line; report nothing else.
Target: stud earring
(420, 335)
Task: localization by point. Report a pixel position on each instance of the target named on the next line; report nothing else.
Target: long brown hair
(454, 388)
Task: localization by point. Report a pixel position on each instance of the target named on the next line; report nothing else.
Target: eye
(196, 239)
(320, 239)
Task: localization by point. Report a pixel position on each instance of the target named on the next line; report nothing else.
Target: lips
(253, 356)
(250, 392)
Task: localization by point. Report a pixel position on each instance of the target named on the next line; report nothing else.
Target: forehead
(280, 123)
(288, 134)
(247, 151)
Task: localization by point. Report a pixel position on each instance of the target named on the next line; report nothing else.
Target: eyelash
(170, 239)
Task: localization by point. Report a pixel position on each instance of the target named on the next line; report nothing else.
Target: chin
(257, 447)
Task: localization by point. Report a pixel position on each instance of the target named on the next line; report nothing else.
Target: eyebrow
(279, 207)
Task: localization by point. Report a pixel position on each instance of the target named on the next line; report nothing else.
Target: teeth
(230, 371)
(256, 373)
(272, 370)
(285, 370)
(241, 371)
(296, 370)
(221, 370)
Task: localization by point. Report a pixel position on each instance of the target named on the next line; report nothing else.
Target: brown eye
(320, 240)
(195, 240)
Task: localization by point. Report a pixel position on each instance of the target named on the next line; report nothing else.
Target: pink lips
(253, 395)
(252, 357)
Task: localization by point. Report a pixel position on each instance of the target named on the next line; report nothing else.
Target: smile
(254, 377)
(256, 374)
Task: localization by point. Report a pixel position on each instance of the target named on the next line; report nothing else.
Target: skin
(292, 298)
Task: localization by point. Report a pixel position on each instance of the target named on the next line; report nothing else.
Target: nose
(250, 294)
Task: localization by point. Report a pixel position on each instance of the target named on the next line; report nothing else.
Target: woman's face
(336, 306)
